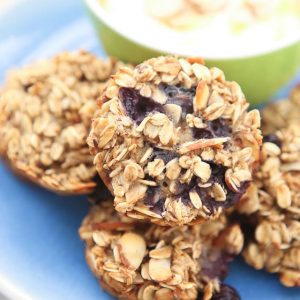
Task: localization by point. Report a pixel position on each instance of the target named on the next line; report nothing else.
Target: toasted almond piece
(200, 144)
(164, 252)
(112, 225)
(132, 249)
(202, 95)
(160, 269)
(198, 60)
(173, 111)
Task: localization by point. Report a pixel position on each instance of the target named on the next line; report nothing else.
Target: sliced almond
(160, 269)
(202, 95)
(200, 144)
(164, 252)
(173, 111)
(132, 249)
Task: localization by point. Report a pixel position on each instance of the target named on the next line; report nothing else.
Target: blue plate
(41, 256)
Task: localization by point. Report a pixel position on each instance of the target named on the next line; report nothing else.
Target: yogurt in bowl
(256, 42)
(211, 28)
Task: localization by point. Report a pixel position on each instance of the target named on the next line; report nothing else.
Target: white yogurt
(216, 28)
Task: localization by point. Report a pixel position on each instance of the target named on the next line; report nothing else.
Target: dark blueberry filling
(214, 264)
(180, 96)
(153, 200)
(101, 192)
(152, 196)
(215, 128)
(272, 138)
(218, 176)
(137, 106)
(166, 156)
(248, 225)
(226, 293)
(159, 207)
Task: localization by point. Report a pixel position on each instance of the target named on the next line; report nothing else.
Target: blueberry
(215, 264)
(138, 106)
(272, 138)
(226, 293)
(101, 193)
(215, 128)
(166, 156)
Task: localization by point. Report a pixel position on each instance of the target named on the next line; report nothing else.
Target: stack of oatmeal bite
(176, 145)
(181, 177)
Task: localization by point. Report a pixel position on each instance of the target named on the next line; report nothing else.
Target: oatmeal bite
(273, 205)
(174, 142)
(138, 260)
(45, 115)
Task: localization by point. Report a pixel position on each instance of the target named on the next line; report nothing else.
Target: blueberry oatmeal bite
(139, 260)
(45, 114)
(272, 203)
(174, 142)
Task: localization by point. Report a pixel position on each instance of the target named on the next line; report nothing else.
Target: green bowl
(259, 75)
